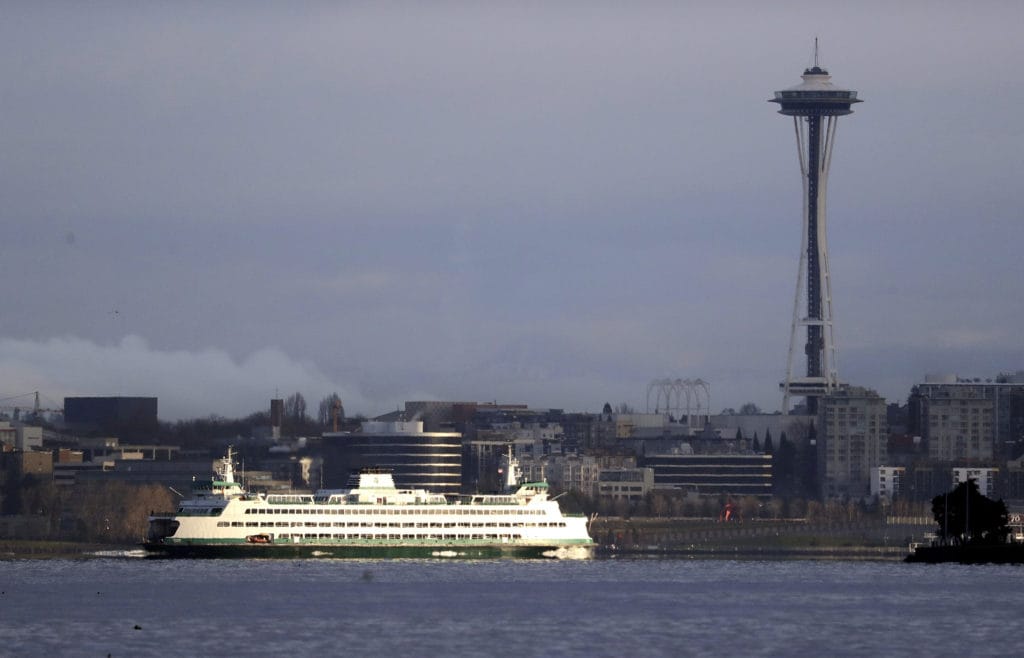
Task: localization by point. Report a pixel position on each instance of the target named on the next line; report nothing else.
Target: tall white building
(985, 477)
(887, 481)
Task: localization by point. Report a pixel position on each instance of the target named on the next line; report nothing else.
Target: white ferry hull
(200, 550)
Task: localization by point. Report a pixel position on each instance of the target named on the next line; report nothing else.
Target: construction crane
(37, 409)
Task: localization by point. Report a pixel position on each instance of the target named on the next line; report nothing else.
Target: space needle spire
(815, 105)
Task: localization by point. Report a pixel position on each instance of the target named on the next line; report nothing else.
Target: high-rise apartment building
(852, 435)
(970, 418)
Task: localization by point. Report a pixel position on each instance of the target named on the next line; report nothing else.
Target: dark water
(506, 608)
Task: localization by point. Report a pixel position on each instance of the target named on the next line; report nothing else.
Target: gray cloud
(552, 204)
(188, 384)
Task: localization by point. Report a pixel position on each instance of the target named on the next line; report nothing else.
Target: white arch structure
(677, 397)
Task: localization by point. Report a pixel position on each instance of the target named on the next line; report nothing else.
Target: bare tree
(325, 414)
(117, 512)
(295, 408)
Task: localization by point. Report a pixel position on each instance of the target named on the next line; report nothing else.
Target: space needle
(815, 105)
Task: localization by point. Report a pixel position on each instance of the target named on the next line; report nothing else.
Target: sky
(550, 203)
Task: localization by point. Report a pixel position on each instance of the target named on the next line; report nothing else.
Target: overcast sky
(548, 203)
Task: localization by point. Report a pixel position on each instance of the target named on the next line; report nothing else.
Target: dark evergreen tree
(966, 516)
(769, 447)
(806, 466)
(757, 445)
(784, 467)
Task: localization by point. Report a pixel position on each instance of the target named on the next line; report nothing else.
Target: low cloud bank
(189, 384)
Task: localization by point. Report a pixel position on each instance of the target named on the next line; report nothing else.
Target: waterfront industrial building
(731, 474)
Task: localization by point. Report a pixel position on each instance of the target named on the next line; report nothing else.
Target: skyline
(524, 204)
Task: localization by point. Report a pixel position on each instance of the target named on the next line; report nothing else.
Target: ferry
(372, 519)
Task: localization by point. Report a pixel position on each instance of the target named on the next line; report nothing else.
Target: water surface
(136, 607)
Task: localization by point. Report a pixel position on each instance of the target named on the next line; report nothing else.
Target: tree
(805, 469)
(757, 444)
(784, 467)
(113, 511)
(749, 409)
(325, 414)
(624, 408)
(769, 447)
(966, 516)
(295, 408)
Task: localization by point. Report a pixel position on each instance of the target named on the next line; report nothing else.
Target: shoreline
(42, 550)
(38, 549)
(845, 553)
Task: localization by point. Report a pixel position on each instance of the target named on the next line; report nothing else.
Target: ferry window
(281, 524)
(222, 524)
(252, 524)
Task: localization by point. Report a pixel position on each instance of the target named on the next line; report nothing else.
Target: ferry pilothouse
(373, 519)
